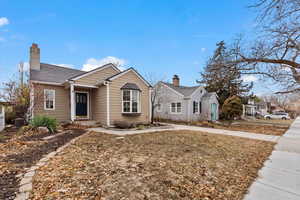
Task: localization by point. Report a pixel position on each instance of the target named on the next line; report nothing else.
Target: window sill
(175, 113)
(131, 114)
(49, 109)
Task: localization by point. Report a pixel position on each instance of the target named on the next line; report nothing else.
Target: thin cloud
(3, 21)
(203, 49)
(93, 63)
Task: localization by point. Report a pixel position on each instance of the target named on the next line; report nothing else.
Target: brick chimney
(35, 57)
(176, 80)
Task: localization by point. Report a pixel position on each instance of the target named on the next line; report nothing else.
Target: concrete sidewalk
(279, 179)
(172, 127)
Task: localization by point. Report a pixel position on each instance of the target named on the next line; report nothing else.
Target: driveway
(280, 177)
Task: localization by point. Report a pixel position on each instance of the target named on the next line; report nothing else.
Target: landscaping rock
(43, 130)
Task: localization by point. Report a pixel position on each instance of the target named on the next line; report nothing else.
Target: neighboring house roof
(53, 73)
(128, 70)
(184, 90)
(130, 86)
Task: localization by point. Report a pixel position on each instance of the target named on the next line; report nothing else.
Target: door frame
(88, 104)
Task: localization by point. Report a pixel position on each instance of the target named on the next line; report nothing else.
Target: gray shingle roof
(130, 86)
(184, 90)
(53, 73)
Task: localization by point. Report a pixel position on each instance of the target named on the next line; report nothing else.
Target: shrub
(123, 124)
(44, 121)
(232, 108)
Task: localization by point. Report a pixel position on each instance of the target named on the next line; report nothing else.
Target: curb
(26, 181)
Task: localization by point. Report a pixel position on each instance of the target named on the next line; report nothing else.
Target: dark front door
(81, 104)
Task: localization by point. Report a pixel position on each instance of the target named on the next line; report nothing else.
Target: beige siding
(116, 99)
(99, 104)
(62, 102)
(95, 77)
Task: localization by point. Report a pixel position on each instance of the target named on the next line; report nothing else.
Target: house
(181, 103)
(253, 108)
(104, 95)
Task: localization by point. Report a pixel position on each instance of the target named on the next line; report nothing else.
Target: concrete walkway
(172, 127)
(279, 179)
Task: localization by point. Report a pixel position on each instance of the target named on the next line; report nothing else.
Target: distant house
(105, 94)
(253, 108)
(2, 115)
(182, 103)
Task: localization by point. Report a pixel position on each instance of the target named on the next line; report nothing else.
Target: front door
(81, 104)
(213, 112)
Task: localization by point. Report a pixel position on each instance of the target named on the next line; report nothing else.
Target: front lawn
(21, 150)
(165, 165)
(261, 126)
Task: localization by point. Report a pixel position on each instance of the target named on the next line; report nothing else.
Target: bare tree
(20, 96)
(276, 52)
(154, 79)
(279, 100)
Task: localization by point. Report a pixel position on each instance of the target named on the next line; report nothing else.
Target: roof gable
(95, 70)
(125, 72)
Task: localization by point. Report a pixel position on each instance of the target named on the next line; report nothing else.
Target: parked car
(277, 115)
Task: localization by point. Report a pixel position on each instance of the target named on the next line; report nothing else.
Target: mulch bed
(22, 152)
(7, 134)
(173, 165)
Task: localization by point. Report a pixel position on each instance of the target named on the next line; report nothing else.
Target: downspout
(72, 98)
(150, 105)
(106, 83)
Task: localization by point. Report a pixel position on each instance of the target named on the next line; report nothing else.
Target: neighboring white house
(2, 117)
(253, 108)
(182, 103)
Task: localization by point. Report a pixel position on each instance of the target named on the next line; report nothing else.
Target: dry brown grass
(164, 165)
(267, 127)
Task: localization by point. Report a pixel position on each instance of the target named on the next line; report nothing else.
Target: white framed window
(131, 101)
(195, 107)
(200, 107)
(49, 99)
(176, 107)
(158, 107)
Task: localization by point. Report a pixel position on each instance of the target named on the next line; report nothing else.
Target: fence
(2, 118)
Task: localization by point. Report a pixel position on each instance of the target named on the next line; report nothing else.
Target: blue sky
(163, 37)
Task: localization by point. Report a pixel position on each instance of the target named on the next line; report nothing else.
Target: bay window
(131, 101)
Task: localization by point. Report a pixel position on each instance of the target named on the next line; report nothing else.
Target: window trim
(45, 104)
(197, 110)
(139, 102)
(200, 107)
(88, 103)
(176, 108)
